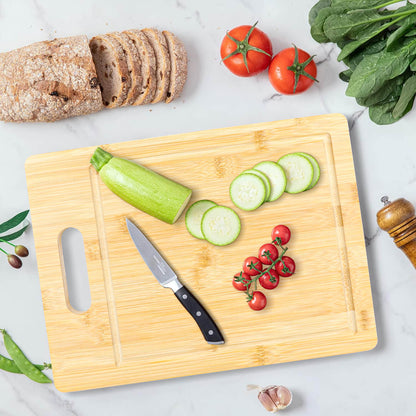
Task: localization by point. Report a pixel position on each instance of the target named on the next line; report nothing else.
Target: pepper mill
(399, 220)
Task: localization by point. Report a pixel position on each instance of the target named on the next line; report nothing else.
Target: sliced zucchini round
(276, 177)
(298, 170)
(265, 180)
(316, 169)
(193, 217)
(247, 191)
(220, 225)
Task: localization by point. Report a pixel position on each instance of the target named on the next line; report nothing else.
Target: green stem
(5, 252)
(8, 242)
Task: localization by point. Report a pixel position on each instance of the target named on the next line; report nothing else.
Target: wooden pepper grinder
(399, 220)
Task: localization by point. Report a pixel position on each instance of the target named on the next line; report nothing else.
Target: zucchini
(220, 225)
(316, 169)
(265, 179)
(276, 177)
(146, 190)
(299, 172)
(247, 191)
(193, 217)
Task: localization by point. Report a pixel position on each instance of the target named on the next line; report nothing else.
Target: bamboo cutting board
(135, 330)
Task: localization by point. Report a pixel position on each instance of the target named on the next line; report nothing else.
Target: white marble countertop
(379, 382)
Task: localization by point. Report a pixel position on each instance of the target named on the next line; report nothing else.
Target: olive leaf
(407, 97)
(13, 222)
(14, 235)
(374, 70)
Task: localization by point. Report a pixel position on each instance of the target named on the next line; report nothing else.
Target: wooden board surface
(127, 336)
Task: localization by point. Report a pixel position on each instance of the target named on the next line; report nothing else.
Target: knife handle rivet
(185, 296)
(210, 332)
(198, 313)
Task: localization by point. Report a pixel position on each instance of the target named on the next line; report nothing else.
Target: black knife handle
(207, 326)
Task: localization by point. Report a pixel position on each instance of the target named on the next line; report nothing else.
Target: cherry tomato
(282, 232)
(290, 264)
(266, 279)
(240, 285)
(292, 71)
(271, 251)
(246, 51)
(252, 266)
(258, 301)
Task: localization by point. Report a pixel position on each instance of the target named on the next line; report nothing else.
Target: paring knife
(167, 278)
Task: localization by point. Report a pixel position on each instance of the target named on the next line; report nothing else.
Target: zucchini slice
(265, 180)
(316, 169)
(220, 225)
(276, 177)
(298, 170)
(247, 191)
(193, 217)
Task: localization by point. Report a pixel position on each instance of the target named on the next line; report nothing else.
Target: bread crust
(148, 66)
(48, 81)
(160, 47)
(120, 67)
(179, 66)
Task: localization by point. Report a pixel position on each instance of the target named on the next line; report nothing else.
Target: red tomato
(240, 285)
(282, 232)
(252, 266)
(246, 50)
(258, 301)
(292, 71)
(289, 263)
(270, 280)
(268, 250)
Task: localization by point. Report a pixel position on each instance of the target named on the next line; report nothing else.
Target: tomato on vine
(241, 281)
(286, 267)
(270, 280)
(246, 50)
(268, 253)
(252, 266)
(292, 71)
(282, 232)
(258, 301)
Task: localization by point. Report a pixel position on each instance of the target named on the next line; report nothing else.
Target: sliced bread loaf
(134, 66)
(160, 47)
(48, 81)
(112, 69)
(148, 66)
(178, 66)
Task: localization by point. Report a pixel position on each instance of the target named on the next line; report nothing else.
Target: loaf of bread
(67, 77)
(48, 81)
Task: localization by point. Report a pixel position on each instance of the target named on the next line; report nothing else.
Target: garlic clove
(275, 398)
(266, 401)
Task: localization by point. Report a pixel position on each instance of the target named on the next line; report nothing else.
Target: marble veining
(385, 165)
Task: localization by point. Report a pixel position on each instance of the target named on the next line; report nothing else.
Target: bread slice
(112, 69)
(148, 66)
(178, 66)
(133, 64)
(48, 81)
(159, 45)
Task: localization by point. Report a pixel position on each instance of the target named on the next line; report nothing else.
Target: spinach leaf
(391, 88)
(337, 26)
(317, 28)
(374, 70)
(363, 4)
(406, 97)
(345, 75)
(366, 36)
(382, 113)
(413, 65)
(317, 8)
(372, 47)
(406, 25)
(411, 32)
(13, 222)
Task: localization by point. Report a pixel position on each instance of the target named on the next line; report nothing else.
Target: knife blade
(165, 275)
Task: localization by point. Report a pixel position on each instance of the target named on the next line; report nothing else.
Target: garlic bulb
(273, 398)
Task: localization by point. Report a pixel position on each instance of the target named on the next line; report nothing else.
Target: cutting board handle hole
(76, 282)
